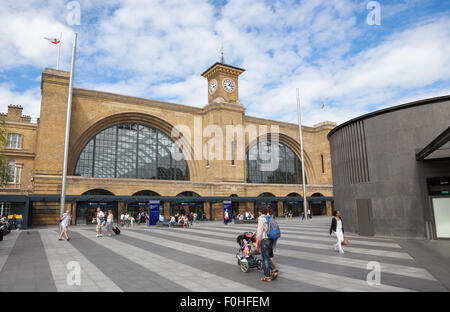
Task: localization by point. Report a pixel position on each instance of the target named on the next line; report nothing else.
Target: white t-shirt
(100, 215)
(121, 216)
(339, 225)
(66, 219)
(109, 219)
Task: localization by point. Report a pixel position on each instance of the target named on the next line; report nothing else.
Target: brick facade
(92, 111)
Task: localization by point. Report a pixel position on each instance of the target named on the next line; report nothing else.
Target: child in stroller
(247, 254)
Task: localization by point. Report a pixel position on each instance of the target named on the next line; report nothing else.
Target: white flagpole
(59, 51)
(301, 152)
(69, 110)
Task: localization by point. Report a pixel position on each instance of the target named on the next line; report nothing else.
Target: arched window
(131, 150)
(188, 194)
(146, 193)
(288, 169)
(189, 205)
(98, 192)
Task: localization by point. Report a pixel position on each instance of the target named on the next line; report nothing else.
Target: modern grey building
(391, 170)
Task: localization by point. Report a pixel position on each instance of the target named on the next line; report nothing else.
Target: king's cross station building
(121, 155)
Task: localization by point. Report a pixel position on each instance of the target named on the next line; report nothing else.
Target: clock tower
(223, 84)
(224, 111)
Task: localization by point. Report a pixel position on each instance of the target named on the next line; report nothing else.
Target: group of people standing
(126, 219)
(184, 219)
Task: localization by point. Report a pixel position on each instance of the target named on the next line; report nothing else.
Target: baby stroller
(247, 254)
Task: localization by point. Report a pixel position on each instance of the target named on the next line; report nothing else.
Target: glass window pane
(126, 151)
(147, 153)
(105, 153)
(287, 172)
(17, 177)
(11, 170)
(131, 150)
(14, 140)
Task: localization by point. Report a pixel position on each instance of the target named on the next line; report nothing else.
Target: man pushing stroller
(266, 235)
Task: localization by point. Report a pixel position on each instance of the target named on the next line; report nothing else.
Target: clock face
(213, 86)
(228, 85)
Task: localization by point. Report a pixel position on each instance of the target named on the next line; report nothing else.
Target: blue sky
(158, 49)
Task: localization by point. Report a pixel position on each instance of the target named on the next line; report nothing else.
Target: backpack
(274, 230)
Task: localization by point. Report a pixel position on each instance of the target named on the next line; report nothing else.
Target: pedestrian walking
(109, 222)
(127, 219)
(265, 244)
(100, 217)
(63, 225)
(337, 229)
(309, 214)
(122, 217)
(226, 217)
(274, 243)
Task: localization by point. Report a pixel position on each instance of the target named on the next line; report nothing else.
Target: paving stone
(202, 258)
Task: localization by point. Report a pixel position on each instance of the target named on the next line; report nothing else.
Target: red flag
(54, 40)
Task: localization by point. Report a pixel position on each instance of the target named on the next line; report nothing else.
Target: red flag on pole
(54, 40)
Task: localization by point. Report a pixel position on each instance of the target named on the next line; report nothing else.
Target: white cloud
(158, 49)
(413, 59)
(30, 100)
(22, 28)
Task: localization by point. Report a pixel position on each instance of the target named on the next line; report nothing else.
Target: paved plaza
(202, 258)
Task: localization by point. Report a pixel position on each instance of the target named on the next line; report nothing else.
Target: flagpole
(59, 51)
(69, 110)
(301, 154)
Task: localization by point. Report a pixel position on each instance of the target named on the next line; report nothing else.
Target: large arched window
(131, 150)
(288, 170)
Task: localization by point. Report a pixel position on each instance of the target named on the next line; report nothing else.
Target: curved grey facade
(379, 185)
